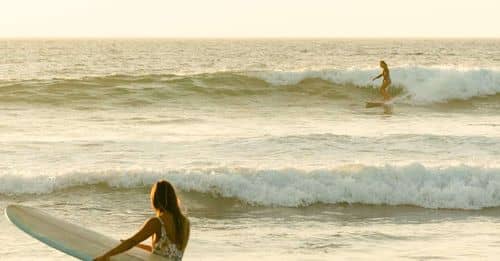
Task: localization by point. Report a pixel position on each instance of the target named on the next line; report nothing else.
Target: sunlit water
(268, 141)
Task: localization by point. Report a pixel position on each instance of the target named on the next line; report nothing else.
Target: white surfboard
(69, 238)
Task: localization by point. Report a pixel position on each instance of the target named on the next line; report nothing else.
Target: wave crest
(460, 187)
(420, 84)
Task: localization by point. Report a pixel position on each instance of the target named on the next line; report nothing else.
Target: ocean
(268, 142)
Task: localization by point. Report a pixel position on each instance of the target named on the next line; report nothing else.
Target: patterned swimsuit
(164, 247)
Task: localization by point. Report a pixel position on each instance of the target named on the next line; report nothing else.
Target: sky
(249, 18)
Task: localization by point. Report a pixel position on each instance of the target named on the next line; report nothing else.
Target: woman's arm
(380, 75)
(143, 246)
(147, 230)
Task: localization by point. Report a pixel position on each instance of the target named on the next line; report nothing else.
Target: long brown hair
(384, 64)
(164, 199)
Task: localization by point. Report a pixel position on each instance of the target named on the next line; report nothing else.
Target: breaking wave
(415, 85)
(459, 187)
(419, 84)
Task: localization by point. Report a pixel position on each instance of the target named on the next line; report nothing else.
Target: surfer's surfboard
(69, 238)
(371, 104)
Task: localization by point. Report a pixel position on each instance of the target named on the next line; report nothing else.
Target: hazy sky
(250, 18)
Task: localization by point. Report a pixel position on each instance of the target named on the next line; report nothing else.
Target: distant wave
(460, 187)
(414, 85)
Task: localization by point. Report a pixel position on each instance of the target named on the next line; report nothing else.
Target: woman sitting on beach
(169, 229)
(386, 82)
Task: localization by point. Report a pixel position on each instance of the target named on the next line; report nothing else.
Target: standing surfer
(386, 82)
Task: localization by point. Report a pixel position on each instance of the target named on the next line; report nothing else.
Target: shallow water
(226, 228)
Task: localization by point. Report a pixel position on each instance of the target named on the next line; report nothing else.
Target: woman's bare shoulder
(152, 221)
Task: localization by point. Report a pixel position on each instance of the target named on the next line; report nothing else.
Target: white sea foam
(460, 187)
(420, 84)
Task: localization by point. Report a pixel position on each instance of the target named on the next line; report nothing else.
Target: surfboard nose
(11, 211)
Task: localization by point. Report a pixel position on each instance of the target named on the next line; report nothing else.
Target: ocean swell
(458, 187)
(414, 85)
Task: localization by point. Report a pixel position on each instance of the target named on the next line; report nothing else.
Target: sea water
(268, 142)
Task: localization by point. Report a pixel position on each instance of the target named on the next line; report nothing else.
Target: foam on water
(459, 187)
(420, 84)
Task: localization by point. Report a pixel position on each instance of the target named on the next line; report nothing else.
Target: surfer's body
(386, 82)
